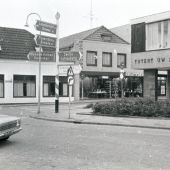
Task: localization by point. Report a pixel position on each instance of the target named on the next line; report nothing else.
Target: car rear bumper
(9, 132)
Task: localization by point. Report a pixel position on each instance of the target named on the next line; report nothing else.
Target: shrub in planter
(134, 107)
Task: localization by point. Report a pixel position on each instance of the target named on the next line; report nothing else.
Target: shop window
(1, 86)
(63, 89)
(48, 86)
(107, 59)
(91, 58)
(158, 35)
(63, 86)
(121, 60)
(24, 86)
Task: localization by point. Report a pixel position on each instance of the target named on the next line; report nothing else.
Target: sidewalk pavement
(81, 115)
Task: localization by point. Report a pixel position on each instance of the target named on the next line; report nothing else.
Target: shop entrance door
(162, 79)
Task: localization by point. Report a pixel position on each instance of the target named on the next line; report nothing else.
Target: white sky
(75, 14)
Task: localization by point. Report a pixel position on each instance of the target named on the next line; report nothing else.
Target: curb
(97, 123)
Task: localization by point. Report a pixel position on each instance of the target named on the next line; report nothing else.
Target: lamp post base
(56, 106)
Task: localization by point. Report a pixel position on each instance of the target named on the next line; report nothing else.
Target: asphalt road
(63, 146)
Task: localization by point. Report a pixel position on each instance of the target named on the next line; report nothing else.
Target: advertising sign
(69, 56)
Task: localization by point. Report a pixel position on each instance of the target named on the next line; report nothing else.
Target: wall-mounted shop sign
(152, 59)
(64, 68)
(69, 56)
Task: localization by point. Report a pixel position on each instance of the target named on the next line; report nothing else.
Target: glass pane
(121, 59)
(154, 36)
(91, 57)
(47, 79)
(107, 59)
(52, 89)
(65, 90)
(45, 89)
(18, 89)
(1, 89)
(30, 89)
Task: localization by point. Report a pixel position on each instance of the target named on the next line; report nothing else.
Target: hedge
(133, 107)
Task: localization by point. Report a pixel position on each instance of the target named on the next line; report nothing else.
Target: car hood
(6, 118)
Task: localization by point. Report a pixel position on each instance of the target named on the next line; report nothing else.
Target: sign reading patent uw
(46, 27)
(46, 56)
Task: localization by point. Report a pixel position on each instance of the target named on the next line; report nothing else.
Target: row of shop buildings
(103, 53)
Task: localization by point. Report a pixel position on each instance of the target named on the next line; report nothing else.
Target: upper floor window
(138, 38)
(158, 35)
(1, 86)
(24, 86)
(91, 58)
(121, 60)
(107, 59)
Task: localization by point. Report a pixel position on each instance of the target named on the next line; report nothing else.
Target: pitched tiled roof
(123, 31)
(102, 32)
(15, 43)
(70, 40)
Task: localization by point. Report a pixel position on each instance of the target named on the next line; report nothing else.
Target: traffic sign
(69, 56)
(70, 80)
(46, 27)
(70, 71)
(45, 41)
(46, 56)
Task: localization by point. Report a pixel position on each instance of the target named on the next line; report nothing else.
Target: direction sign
(45, 41)
(69, 56)
(46, 27)
(46, 56)
(70, 80)
(70, 71)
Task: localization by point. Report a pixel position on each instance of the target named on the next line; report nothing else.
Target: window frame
(125, 56)
(23, 87)
(162, 46)
(3, 93)
(107, 65)
(88, 64)
(48, 85)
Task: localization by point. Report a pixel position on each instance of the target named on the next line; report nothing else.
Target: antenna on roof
(91, 15)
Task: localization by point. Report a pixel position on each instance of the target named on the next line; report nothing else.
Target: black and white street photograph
(84, 85)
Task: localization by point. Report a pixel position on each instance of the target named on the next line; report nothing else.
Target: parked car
(9, 125)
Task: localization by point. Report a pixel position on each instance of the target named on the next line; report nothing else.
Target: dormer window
(106, 37)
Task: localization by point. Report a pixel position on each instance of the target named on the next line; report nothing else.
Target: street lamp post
(122, 77)
(39, 61)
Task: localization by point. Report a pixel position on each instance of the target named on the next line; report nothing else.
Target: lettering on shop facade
(151, 60)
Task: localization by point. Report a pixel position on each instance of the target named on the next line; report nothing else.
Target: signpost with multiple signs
(47, 56)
